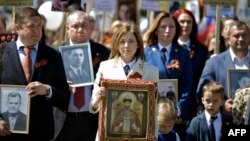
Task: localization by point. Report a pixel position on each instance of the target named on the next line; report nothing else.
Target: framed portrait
(15, 107)
(126, 112)
(168, 89)
(237, 78)
(77, 63)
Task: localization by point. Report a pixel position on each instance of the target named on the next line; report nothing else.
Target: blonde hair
(126, 28)
(166, 110)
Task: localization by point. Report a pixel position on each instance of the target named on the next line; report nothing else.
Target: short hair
(78, 13)
(214, 88)
(238, 24)
(166, 110)
(151, 37)
(126, 28)
(14, 94)
(24, 13)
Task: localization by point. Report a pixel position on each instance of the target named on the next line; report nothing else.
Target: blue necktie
(211, 128)
(126, 69)
(163, 56)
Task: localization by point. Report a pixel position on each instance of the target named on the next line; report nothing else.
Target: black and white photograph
(77, 64)
(236, 79)
(168, 89)
(15, 107)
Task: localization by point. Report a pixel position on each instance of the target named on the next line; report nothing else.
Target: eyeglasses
(230, 16)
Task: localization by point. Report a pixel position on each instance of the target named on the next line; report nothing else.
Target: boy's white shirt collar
(208, 116)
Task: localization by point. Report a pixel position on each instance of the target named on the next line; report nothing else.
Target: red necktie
(27, 63)
(79, 97)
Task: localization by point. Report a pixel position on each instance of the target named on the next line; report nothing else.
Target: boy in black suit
(207, 126)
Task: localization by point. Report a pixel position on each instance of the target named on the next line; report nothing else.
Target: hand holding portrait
(37, 88)
(4, 129)
(228, 107)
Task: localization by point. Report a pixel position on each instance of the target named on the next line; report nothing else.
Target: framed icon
(77, 63)
(168, 89)
(15, 107)
(126, 112)
(236, 79)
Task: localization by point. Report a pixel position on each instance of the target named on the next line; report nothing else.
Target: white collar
(187, 43)
(233, 56)
(20, 44)
(71, 43)
(208, 116)
(168, 47)
(131, 64)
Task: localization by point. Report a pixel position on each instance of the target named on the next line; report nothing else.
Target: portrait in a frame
(77, 63)
(236, 79)
(168, 89)
(126, 113)
(15, 107)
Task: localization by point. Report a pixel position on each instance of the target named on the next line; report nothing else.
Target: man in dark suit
(80, 124)
(236, 57)
(76, 71)
(29, 62)
(14, 118)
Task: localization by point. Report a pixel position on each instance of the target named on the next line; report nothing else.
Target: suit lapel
(228, 60)
(156, 56)
(14, 59)
(117, 64)
(138, 67)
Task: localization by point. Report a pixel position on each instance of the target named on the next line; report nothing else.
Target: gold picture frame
(236, 79)
(168, 88)
(15, 104)
(128, 110)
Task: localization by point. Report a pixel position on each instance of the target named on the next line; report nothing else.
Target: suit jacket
(20, 121)
(99, 53)
(198, 128)
(72, 76)
(215, 70)
(51, 73)
(113, 69)
(198, 56)
(183, 73)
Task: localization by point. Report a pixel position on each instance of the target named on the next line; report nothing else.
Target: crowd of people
(169, 49)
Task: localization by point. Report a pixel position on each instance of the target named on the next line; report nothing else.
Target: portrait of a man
(78, 68)
(237, 79)
(126, 120)
(14, 117)
(75, 71)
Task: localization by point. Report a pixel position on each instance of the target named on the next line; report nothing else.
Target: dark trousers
(79, 127)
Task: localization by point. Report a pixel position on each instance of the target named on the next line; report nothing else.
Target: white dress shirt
(217, 124)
